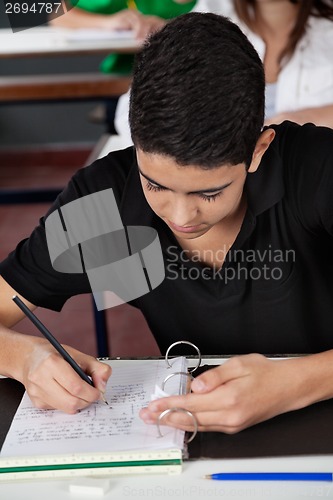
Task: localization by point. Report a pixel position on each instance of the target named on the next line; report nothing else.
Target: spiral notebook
(101, 439)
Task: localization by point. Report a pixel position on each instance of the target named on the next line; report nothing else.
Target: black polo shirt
(274, 293)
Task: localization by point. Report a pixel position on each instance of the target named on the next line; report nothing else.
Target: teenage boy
(244, 216)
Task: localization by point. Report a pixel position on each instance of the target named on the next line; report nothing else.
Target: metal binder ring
(183, 342)
(172, 410)
(189, 375)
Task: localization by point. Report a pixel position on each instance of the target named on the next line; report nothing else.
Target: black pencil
(48, 335)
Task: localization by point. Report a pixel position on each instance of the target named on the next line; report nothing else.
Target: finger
(100, 372)
(71, 382)
(223, 400)
(192, 402)
(136, 21)
(175, 419)
(127, 15)
(213, 378)
(97, 370)
(133, 14)
(56, 397)
(147, 27)
(206, 421)
(118, 21)
(141, 31)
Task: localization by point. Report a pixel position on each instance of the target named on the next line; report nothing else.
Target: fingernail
(144, 414)
(147, 419)
(102, 385)
(198, 385)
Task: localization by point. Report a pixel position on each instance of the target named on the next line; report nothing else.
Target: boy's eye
(210, 197)
(207, 197)
(153, 187)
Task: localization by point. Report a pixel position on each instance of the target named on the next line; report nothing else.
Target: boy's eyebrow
(210, 190)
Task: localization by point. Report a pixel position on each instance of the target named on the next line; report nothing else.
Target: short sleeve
(28, 268)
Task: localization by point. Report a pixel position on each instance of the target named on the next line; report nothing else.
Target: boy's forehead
(165, 171)
(169, 162)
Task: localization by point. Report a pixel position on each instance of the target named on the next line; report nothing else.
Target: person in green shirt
(142, 16)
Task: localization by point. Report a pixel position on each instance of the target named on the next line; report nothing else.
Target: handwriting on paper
(98, 427)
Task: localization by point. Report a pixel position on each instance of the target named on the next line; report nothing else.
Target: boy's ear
(265, 139)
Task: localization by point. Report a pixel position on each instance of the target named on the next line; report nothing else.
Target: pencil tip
(103, 397)
(207, 476)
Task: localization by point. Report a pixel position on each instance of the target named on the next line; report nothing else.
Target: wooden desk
(48, 41)
(64, 87)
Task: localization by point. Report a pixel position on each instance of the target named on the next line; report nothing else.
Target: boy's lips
(185, 229)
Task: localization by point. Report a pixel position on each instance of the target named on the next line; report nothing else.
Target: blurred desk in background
(52, 87)
(48, 41)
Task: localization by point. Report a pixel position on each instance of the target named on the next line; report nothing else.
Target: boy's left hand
(243, 391)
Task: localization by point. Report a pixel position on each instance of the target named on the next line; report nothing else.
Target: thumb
(207, 381)
(213, 378)
(99, 372)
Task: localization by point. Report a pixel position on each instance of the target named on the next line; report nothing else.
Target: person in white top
(295, 41)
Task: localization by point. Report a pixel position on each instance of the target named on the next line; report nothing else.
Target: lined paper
(99, 427)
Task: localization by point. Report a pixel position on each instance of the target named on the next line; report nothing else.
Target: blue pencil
(271, 476)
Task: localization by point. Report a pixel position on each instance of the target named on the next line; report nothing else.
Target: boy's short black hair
(198, 93)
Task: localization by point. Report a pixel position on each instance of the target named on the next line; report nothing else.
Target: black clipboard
(308, 431)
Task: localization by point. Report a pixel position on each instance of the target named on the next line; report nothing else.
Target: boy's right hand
(53, 384)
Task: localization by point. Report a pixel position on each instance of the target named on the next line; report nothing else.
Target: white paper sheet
(84, 35)
(99, 427)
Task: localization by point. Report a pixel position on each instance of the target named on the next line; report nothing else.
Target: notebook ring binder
(188, 343)
(172, 410)
(189, 375)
